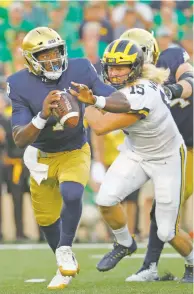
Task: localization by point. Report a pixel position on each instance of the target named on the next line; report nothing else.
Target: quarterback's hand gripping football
(83, 93)
(50, 103)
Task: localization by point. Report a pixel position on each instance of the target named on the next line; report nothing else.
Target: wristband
(39, 122)
(100, 102)
(176, 90)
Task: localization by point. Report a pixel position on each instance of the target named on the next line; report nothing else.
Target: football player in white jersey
(153, 146)
(180, 88)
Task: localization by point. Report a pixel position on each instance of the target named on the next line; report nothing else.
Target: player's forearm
(182, 89)
(187, 89)
(94, 118)
(104, 124)
(184, 86)
(115, 103)
(97, 147)
(25, 135)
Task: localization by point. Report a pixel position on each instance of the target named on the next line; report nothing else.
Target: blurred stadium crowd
(88, 27)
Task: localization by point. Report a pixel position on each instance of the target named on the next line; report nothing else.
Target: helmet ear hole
(143, 49)
(36, 55)
(62, 50)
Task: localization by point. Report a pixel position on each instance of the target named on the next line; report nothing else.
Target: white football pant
(129, 172)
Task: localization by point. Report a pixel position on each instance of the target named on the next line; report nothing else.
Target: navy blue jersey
(181, 109)
(28, 92)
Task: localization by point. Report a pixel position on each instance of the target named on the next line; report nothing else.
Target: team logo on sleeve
(186, 56)
(93, 67)
(8, 89)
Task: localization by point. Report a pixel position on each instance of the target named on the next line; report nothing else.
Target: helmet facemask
(50, 68)
(122, 53)
(135, 72)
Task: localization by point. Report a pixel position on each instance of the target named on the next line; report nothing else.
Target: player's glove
(173, 91)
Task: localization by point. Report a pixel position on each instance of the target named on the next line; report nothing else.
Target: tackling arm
(103, 124)
(116, 102)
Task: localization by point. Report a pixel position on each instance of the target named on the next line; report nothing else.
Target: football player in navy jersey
(179, 89)
(58, 158)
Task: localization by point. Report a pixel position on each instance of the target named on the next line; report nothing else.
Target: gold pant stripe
(189, 174)
(182, 188)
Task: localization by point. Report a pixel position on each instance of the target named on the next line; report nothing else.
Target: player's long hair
(155, 74)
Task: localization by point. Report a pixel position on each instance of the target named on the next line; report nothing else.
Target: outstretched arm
(103, 124)
(116, 102)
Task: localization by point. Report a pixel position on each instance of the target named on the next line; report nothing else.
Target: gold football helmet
(147, 42)
(123, 53)
(39, 40)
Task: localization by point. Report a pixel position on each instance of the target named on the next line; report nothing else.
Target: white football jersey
(155, 135)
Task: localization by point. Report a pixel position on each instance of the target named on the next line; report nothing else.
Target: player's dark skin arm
(26, 135)
(116, 102)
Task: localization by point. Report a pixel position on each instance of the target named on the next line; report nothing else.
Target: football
(67, 111)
